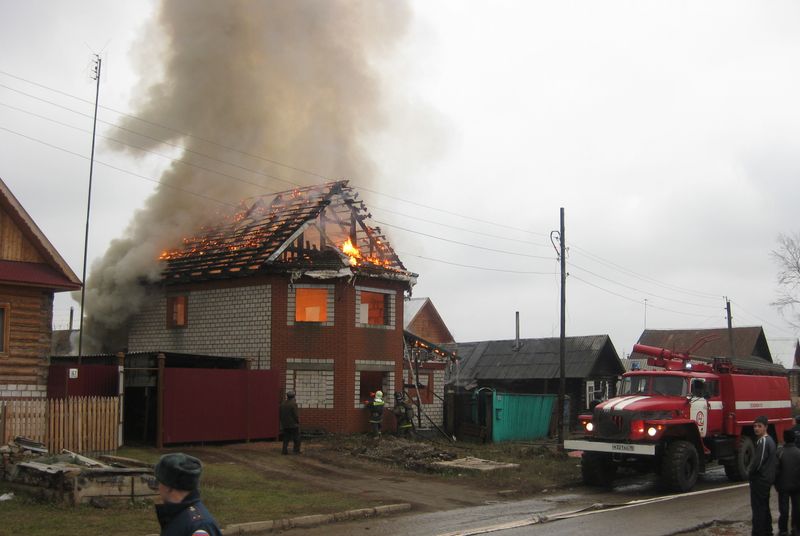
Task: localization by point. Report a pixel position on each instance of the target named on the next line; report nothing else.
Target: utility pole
(730, 326)
(645, 313)
(562, 350)
(95, 76)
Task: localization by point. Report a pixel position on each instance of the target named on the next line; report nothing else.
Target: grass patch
(232, 492)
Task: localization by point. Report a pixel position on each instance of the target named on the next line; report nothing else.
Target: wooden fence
(84, 425)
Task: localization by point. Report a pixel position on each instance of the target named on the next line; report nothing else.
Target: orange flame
(352, 252)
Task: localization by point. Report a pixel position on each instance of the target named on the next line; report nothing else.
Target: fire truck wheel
(737, 471)
(597, 469)
(680, 466)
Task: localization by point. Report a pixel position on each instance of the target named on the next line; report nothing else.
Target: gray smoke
(290, 80)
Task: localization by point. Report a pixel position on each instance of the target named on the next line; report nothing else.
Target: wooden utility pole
(730, 326)
(562, 342)
(96, 76)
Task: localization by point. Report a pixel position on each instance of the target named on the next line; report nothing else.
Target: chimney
(516, 340)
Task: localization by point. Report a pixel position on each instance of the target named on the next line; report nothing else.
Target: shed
(532, 366)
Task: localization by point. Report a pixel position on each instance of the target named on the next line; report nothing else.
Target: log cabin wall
(23, 362)
(14, 246)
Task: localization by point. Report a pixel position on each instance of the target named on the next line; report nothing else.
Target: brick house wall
(323, 362)
(337, 352)
(432, 376)
(23, 364)
(224, 319)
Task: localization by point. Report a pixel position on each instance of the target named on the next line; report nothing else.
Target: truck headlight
(652, 431)
(589, 427)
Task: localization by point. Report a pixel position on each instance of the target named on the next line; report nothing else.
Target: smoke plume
(294, 81)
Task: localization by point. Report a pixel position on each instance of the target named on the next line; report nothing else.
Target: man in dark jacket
(182, 513)
(290, 423)
(787, 482)
(762, 475)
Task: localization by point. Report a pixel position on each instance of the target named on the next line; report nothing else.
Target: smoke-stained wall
(235, 87)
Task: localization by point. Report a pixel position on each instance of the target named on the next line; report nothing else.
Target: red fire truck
(676, 420)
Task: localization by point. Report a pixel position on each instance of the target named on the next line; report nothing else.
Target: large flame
(352, 252)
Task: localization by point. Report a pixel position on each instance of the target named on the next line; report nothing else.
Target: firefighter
(762, 475)
(404, 413)
(376, 413)
(182, 513)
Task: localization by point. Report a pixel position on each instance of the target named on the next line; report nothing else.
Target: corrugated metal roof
(536, 359)
(747, 341)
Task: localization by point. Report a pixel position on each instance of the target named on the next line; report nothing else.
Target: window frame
(387, 301)
(5, 335)
(389, 308)
(172, 308)
(323, 306)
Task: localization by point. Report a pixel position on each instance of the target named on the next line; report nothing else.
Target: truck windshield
(654, 385)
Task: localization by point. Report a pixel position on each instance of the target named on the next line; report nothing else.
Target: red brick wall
(343, 342)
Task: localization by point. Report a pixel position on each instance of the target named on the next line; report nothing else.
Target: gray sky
(669, 132)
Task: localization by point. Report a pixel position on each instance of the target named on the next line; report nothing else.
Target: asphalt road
(635, 506)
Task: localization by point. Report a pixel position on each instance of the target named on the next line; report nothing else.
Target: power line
(463, 243)
(641, 291)
(635, 300)
(673, 288)
(472, 266)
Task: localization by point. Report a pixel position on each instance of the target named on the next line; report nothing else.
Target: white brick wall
(227, 322)
(13, 390)
(312, 382)
(435, 410)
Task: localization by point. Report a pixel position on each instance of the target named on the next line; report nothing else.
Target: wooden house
(31, 271)
(298, 282)
(532, 366)
(746, 346)
(421, 318)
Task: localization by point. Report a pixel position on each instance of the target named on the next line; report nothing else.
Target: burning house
(296, 282)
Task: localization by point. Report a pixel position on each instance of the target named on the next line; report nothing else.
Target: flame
(352, 252)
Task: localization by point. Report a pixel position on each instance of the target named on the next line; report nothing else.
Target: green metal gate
(521, 416)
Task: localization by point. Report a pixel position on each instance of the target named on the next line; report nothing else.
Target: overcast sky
(668, 131)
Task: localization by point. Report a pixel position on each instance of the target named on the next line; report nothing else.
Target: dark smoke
(293, 80)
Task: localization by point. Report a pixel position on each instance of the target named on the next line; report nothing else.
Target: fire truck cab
(677, 420)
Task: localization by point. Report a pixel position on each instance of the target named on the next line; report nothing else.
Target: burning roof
(321, 227)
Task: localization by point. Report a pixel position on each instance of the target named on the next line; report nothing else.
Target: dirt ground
(391, 470)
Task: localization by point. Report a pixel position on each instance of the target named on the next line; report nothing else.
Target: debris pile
(74, 479)
(408, 454)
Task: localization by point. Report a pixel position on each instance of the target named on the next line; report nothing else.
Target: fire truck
(675, 420)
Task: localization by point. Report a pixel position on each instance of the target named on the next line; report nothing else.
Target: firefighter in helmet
(376, 413)
(404, 413)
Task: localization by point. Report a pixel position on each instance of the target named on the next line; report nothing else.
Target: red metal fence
(219, 405)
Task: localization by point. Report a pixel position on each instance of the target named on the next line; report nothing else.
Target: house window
(374, 308)
(425, 387)
(369, 382)
(4, 314)
(311, 305)
(596, 390)
(177, 311)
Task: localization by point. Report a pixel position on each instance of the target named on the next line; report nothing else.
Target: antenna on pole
(95, 76)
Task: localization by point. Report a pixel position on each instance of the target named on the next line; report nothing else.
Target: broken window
(311, 305)
(4, 328)
(374, 308)
(177, 311)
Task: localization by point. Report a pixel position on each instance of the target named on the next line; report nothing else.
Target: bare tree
(787, 256)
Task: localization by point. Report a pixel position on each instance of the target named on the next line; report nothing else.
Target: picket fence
(87, 425)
